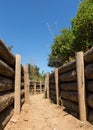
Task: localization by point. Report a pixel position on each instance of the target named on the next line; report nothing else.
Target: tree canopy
(78, 38)
(82, 26)
(61, 51)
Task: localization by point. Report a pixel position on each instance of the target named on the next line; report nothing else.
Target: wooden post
(47, 84)
(40, 87)
(26, 83)
(17, 103)
(45, 89)
(57, 85)
(34, 87)
(81, 85)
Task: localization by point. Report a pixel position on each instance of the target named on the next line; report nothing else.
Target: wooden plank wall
(70, 85)
(8, 84)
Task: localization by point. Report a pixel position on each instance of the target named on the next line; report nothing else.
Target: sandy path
(40, 114)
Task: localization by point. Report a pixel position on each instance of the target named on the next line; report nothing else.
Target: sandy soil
(41, 114)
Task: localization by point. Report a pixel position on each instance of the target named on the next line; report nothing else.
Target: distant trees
(34, 73)
(78, 38)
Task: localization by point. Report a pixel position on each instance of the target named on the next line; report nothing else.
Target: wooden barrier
(75, 85)
(11, 84)
(6, 55)
(36, 87)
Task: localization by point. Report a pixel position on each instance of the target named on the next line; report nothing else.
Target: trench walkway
(41, 114)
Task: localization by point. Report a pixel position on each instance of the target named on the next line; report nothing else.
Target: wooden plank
(6, 55)
(40, 87)
(68, 76)
(88, 56)
(90, 100)
(34, 87)
(5, 116)
(45, 89)
(71, 86)
(67, 67)
(89, 86)
(57, 85)
(17, 104)
(52, 81)
(6, 84)
(26, 83)
(81, 85)
(47, 84)
(51, 76)
(6, 100)
(89, 71)
(5, 70)
(69, 95)
(71, 105)
(90, 116)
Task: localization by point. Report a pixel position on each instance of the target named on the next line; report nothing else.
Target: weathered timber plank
(89, 71)
(90, 100)
(5, 116)
(71, 105)
(51, 86)
(5, 70)
(67, 67)
(68, 86)
(90, 116)
(89, 86)
(6, 55)
(88, 56)
(53, 92)
(6, 100)
(51, 76)
(69, 76)
(71, 96)
(6, 84)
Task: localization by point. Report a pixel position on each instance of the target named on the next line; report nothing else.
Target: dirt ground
(41, 114)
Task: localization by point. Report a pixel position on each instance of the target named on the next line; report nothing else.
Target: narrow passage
(41, 114)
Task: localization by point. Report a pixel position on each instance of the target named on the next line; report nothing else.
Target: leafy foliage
(79, 38)
(82, 26)
(61, 48)
(34, 73)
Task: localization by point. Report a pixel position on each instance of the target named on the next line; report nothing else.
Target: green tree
(79, 38)
(34, 73)
(82, 26)
(61, 49)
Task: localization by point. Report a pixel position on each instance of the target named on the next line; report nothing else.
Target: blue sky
(25, 25)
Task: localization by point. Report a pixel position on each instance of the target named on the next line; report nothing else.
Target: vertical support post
(34, 87)
(40, 87)
(26, 83)
(17, 103)
(57, 85)
(45, 89)
(47, 84)
(81, 85)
